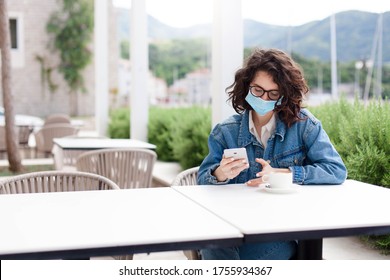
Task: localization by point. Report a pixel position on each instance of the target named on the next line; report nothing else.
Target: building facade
(37, 86)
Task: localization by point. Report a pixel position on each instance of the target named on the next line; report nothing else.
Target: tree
(14, 158)
(173, 59)
(71, 28)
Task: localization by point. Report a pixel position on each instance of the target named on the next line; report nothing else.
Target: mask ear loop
(279, 101)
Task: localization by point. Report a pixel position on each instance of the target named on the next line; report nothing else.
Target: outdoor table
(308, 214)
(104, 223)
(83, 224)
(67, 149)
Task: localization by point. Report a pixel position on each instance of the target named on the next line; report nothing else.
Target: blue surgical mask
(261, 106)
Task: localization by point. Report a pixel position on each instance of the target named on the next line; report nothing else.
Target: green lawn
(28, 168)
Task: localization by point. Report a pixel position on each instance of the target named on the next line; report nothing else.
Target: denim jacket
(304, 148)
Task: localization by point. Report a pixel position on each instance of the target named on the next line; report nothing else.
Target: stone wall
(31, 93)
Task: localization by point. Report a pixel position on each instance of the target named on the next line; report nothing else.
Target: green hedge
(361, 134)
(119, 126)
(176, 132)
(190, 134)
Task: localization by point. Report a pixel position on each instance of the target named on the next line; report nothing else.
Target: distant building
(178, 92)
(199, 87)
(157, 88)
(194, 89)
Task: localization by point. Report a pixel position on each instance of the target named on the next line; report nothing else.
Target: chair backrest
(55, 181)
(57, 119)
(128, 168)
(187, 177)
(44, 137)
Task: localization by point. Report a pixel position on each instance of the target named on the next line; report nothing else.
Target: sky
(184, 13)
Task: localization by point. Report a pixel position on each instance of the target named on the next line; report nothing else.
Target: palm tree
(14, 158)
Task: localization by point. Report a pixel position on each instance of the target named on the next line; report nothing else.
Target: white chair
(44, 137)
(128, 168)
(57, 119)
(55, 181)
(188, 177)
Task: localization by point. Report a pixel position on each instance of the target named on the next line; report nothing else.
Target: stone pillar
(101, 67)
(139, 99)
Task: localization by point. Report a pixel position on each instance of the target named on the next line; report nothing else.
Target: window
(13, 26)
(16, 31)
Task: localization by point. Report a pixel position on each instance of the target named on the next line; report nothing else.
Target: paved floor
(350, 248)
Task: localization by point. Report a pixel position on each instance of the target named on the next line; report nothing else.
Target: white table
(311, 213)
(69, 143)
(104, 223)
(67, 149)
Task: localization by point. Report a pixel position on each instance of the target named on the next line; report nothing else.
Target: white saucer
(282, 190)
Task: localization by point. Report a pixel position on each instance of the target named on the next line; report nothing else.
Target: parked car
(23, 120)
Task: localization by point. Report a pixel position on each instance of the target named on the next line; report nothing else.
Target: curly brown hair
(285, 72)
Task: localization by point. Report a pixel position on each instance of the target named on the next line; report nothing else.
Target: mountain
(355, 31)
(158, 30)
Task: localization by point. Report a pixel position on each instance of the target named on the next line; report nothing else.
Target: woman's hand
(266, 169)
(229, 168)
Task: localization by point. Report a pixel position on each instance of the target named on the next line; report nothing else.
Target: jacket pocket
(289, 158)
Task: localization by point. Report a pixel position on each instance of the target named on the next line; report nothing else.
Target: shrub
(119, 126)
(331, 115)
(360, 134)
(176, 132)
(189, 142)
(365, 142)
(160, 127)
(381, 242)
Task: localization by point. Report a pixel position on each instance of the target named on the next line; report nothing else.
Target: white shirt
(266, 131)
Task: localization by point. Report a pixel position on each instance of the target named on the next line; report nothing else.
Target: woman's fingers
(254, 182)
(232, 167)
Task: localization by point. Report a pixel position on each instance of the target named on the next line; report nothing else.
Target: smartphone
(236, 153)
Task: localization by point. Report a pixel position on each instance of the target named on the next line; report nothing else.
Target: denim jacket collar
(280, 129)
(245, 137)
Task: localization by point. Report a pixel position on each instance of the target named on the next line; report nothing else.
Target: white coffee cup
(278, 180)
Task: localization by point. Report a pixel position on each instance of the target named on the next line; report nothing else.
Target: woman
(279, 136)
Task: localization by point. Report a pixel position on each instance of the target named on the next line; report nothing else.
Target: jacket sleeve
(323, 164)
(212, 160)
